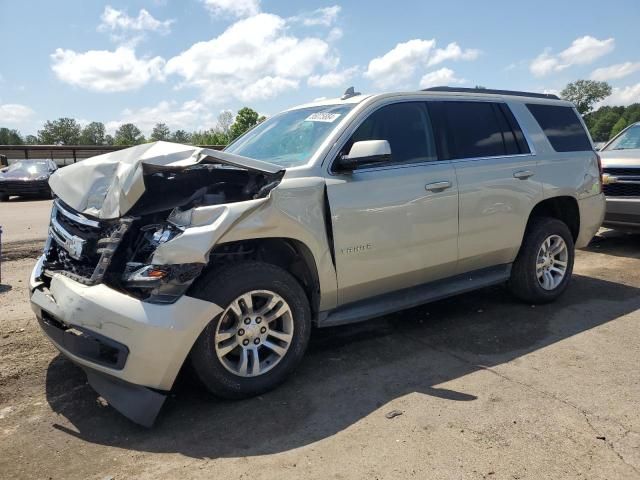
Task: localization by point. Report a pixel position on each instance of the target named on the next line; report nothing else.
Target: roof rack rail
(492, 91)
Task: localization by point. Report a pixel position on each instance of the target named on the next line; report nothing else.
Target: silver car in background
(621, 165)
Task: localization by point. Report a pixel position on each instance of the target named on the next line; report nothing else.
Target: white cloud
(586, 50)
(623, 96)
(583, 50)
(104, 70)
(398, 65)
(442, 77)
(190, 115)
(616, 71)
(333, 78)
(14, 114)
(233, 8)
(335, 34)
(255, 58)
(453, 52)
(320, 17)
(113, 20)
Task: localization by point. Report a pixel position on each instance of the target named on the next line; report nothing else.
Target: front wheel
(544, 265)
(259, 338)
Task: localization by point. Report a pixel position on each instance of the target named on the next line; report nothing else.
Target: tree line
(67, 131)
(603, 124)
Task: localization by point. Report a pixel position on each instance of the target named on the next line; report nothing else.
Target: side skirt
(411, 297)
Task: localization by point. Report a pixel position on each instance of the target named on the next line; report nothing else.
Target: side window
(477, 129)
(561, 126)
(407, 128)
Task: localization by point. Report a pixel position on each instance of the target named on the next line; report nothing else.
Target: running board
(414, 296)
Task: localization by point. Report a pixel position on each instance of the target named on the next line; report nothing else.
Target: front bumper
(117, 337)
(623, 212)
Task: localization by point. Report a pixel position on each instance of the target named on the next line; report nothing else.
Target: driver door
(392, 227)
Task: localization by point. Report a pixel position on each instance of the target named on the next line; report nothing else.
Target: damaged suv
(334, 212)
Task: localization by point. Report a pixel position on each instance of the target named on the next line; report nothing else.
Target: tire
(223, 287)
(4, 197)
(525, 282)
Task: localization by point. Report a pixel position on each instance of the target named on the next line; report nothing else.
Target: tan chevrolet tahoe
(164, 255)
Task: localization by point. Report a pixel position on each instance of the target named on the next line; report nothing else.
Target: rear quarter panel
(566, 174)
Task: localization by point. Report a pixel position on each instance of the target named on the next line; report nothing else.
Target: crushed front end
(106, 302)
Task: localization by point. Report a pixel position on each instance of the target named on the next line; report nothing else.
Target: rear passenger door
(496, 173)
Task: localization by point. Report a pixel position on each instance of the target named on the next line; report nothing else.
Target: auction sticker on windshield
(322, 117)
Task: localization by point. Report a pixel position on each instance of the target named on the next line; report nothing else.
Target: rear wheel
(259, 338)
(544, 264)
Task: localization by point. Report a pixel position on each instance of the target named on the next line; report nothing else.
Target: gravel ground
(482, 387)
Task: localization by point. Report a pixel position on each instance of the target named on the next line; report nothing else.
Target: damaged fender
(292, 210)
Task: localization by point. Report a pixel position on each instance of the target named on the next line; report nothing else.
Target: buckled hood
(108, 186)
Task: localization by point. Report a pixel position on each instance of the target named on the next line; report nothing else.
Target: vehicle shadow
(348, 373)
(618, 244)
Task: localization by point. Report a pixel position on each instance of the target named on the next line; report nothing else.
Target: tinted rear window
(479, 129)
(562, 127)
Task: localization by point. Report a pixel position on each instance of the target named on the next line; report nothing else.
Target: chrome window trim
(76, 217)
(494, 157)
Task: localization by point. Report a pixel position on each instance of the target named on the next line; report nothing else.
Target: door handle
(523, 174)
(437, 186)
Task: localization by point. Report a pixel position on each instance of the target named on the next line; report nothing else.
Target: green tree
(620, 125)
(632, 113)
(128, 134)
(180, 136)
(64, 131)
(160, 132)
(245, 119)
(585, 94)
(108, 140)
(93, 134)
(225, 120)
(601, 131)
(31, 140)
(10, 137)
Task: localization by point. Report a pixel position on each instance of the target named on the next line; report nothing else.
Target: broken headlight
(160, 283)
(157, 283)
(180, 218)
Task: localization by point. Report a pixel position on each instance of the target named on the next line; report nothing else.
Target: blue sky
(183, 62)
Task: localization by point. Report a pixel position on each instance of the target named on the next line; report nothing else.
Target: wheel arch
(564, 208)
(288, 253)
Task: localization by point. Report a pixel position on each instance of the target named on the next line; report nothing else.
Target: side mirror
(365, 152)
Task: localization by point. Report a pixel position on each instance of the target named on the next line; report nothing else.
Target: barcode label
(322, 117)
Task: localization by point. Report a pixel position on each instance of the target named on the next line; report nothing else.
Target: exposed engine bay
(120, 251)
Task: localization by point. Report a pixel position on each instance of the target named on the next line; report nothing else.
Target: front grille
(631, 172)
(23, 186)
(79, 247)
(627, 182)
(622, 190)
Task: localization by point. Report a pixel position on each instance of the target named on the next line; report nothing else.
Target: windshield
(290, 138)
(628, 140)
(28, 166)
